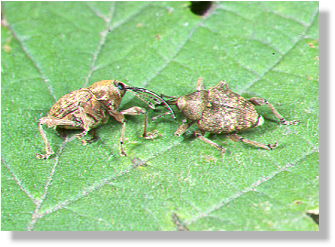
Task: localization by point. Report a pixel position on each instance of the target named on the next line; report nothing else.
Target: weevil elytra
(87, 108)
(219, 110)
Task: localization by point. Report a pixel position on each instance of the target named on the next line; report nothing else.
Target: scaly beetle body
(87, 108)
(219, 110)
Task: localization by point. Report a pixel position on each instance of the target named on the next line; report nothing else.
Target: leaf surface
(265, 49)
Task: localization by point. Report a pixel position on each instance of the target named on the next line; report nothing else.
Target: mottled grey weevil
(219, 110)
(87, 108)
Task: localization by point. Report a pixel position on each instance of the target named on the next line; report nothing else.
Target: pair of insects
(217, 110)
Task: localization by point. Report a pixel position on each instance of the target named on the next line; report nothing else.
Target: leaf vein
(30, 57)
(228, 200)
(110, 27)
(18, 181)
(89, 190)
(177, 52)
(252, 187)
(99, 220)
(285, 54)
(103, 37)
(36, 214)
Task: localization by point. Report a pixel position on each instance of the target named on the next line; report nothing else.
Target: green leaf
(265, 49)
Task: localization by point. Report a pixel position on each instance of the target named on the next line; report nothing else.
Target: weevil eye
(120, 86)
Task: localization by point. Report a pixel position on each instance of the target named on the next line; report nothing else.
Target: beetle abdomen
(81, 107)
(69, 103)
(227, 112)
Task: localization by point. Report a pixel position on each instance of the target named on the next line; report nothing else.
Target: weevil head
(120, 87)
(113, 91)
(192, 105)
(108, 90)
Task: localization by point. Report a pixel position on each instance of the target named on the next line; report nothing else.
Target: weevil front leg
(183, 128)
(238, 138)
(261, 101)
(48, 148)
(86, 123)
(82, 134)
(201, 136)
(91, 140)
(135, 110)
(123, 132)
(149, 135)
(119, 116)
(51, 122)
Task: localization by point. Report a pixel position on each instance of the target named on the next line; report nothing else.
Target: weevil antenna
(143, 98)
(158, 99)
(171, 100)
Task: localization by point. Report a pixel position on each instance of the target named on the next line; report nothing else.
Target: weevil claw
(273, 146)
(152, 135)
(283, 121)
(43, 156)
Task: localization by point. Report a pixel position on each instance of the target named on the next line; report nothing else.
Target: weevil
(219, 110)
(87, 108)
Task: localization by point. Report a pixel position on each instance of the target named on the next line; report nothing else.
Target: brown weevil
(87, 108)
(219, 110)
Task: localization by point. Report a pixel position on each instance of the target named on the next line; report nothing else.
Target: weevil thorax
(228, 111)
(110, 91)
(193, 105)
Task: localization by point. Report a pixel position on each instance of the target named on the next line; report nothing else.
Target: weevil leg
(93, 139)
(135, 110)
(182, 128)
(82, 134)
(123, 132)
(51, 122)
(159, 116)
(262, 101)
(119, 116)
(148, 135)
(201, 136)
(200, 84)
(48, 148)
(86, 122)
(238, 138)
(145, 127)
